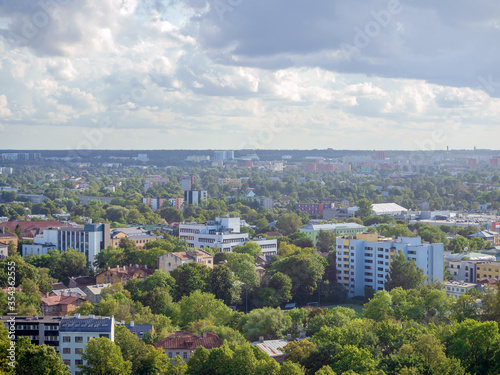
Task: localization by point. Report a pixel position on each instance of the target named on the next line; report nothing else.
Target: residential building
(195, 197)
(81, 282)
(94, 292)
(457, 288)
(138, 235)
(77, 331)
(4, 251)
(233, 182)
(312, 230)
(364, 260)
(267, 203)
(492, 237)
(183, 344)
(7, 237)
(122, 274)
(158, 203)
(88, 239)
(463, 270)
(60, 305)
(69, 291)
(154, 180)
(170, 261)
(30, 229)
(198, 158)
(223, 155)
(224, 233)
(138, 329)
(487, 270)
(313, 209)
(41, 330)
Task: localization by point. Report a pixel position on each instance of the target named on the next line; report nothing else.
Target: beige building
(171, 261)
(487, 270)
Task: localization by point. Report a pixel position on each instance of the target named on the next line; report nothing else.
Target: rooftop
(186, 340)
(89, 323)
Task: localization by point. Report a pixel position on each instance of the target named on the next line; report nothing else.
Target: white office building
(224, 233)
(89, 239)
(76, 331)
(364, 260)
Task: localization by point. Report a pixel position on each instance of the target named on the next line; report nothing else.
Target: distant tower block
(380, 155)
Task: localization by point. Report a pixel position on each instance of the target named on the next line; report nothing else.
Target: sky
(249, 74)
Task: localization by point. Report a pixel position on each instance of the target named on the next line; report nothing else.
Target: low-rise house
(7, 237)
(493, 238)
(69, 291)
(30, 229)
(170, 261)
(60, 305)
(457, 288)
(273, 348)
(138, 329)
(183, 344)
(122, 274)
(94, 292)
(4, 251)
(139, 235)
(81, 282)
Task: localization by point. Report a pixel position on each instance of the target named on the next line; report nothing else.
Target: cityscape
(231, 187)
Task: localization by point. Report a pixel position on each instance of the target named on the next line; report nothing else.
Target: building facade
(170, 261)
(77, 331)
(364, 260)
(184, 344)
(89, 239)
(195, 197)
(138, 235)
(312, 230)
(223, 233)
(40, 330)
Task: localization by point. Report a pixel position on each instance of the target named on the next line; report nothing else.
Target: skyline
(235, 74)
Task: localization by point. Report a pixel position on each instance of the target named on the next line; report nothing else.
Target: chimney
(302, 335)
(124, 268)
(261, 338)
(289, 337)
(145, 266)
(136, 266)
(131, 323)
(123, 322)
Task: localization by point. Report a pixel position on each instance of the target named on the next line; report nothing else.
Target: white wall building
(75, 332)
(457, 288)
(364, 260)
(224, 233)
(89, 239)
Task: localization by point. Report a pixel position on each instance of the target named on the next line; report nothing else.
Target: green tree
(354, 359)
(404, 273)
(326, 241)
(365, 208)
(379, 307)
(267, 322)
(171, 214)
(199, 305)
(224, 285)
(288, 223)
(189, 278)
(458, 244)
(250, 248)
(103, 357)
(38, 359)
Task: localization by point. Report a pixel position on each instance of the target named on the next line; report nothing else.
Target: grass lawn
(356, 307)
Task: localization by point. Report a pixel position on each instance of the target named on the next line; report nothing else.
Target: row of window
(67, 362)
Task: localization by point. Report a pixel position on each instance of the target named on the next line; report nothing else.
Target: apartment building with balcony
(364, 260)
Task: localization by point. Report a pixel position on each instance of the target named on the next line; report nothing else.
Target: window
(78, 339)
(78, 362)
(66, 339)
(78, 350)
(185, 355)
(67, 362)
(66, 351)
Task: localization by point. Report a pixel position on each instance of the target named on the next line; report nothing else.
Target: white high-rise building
(364, 260)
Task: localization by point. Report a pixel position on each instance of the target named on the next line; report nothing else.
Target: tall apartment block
(364, 260)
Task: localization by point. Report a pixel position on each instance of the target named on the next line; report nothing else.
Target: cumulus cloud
(208, 73)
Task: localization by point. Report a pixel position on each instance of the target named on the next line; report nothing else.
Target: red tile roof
(60, 300)
(11, 225)
(186, 340)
